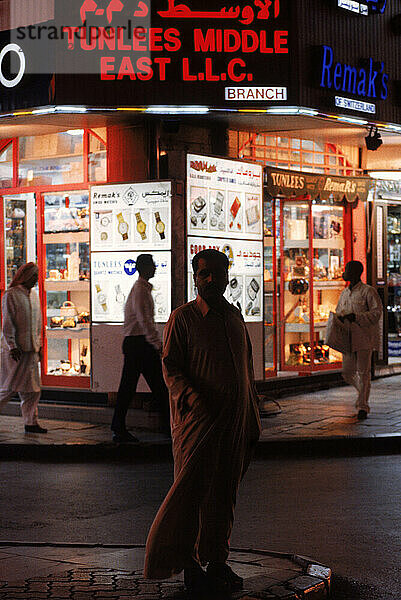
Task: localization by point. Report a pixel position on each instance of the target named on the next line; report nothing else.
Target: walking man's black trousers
(140, 357)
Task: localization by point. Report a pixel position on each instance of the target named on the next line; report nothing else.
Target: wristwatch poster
(160, 226)
(140, 226)
(101, 297)
(122, 226)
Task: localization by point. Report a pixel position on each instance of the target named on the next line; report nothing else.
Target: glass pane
(67, 212)
(97, 157)
(296, 309)
(52, 159)
(394, 280)
(269, 332)
(6, 167)
(307, 144)
(296, 216)
(15, 234)
(66, 241)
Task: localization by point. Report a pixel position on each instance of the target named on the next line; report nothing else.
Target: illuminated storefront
(157, 91)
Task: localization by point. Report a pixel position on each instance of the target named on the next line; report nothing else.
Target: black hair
(356, 266)
(209, 254)
(143, 261)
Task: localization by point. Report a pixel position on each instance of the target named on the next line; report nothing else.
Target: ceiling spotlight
(373, 140)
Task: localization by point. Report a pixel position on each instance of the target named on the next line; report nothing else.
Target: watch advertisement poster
(132, 215)
(245, 273)
(224, 198)
(112, 277)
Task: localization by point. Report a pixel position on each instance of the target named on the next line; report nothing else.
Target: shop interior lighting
(283, 110)
(75, 131)
(354, 121)
(177, 110)
(388, 175)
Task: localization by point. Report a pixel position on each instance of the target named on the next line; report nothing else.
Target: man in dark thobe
(207, 365)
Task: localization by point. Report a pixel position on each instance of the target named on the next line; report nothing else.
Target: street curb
(305, 447)
(312, 580)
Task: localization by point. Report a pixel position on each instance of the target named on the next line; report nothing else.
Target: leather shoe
(35, 429)
(362, 415)
(223, 579)
(124, 437)
(196, 580)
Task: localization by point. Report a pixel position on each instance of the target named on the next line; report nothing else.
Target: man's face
(211, 279)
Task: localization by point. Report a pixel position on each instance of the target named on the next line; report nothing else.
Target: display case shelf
(303, 327)
(324, 285)
(66, 334)
(65, 285)
(289, 244)
(330, 244)
(66, 237)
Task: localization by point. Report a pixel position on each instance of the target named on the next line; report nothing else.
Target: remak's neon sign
(367, 81)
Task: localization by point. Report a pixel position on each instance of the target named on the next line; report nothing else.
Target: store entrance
(394, 282)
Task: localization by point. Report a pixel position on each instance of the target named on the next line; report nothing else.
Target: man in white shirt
(360, 308)
(142, 350)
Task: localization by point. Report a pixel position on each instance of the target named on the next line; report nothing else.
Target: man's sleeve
(143, 309)
(9, 326)
(374, 310)
(182, 394)
(339, 308)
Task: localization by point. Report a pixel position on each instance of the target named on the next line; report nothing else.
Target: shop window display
(97, 155)
(6, 167)
(394, 280)
(53, 159)
(66, 285)
(19, 232)
(311, 264)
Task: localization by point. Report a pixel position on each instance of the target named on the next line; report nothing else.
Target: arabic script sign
(137, 45)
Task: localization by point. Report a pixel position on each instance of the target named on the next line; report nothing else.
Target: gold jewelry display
(160, 226)
(101, 297)
(122, 226)
(140, 225)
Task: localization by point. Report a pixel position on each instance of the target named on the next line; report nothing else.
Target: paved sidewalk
(324, 419)
(84, 573)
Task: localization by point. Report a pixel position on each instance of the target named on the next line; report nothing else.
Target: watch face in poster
(245, 273)
(112, 278)
(224, 197)
(126, 216)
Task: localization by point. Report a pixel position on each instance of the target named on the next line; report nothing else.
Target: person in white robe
(20, 346)
(360, 308)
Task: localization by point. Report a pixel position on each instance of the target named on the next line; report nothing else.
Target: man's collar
(356, 286)
(145, 282)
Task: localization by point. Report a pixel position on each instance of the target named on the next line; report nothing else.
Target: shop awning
(279, 182)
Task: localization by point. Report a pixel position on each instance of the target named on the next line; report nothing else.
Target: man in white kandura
(359, 303)
(21, 343)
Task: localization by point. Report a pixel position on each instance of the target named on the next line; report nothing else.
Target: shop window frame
(293, 157)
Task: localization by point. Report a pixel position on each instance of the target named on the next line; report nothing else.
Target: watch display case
(312, 257)
(67, 287)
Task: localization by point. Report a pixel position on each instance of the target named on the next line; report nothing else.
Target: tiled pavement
(320, 417)
(76, 573)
